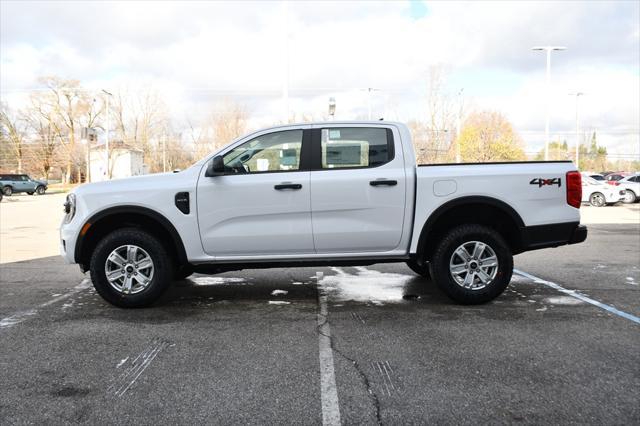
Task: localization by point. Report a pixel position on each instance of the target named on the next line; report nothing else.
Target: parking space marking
(579, 296)
(328, 389)
(17, 318)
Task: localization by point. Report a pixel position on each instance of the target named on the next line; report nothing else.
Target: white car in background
(599, 194)
(631, 186)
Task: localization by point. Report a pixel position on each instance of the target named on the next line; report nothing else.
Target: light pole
(577, 95)
(106, 145)
(548, 50)
(332, 108)
(369, 90)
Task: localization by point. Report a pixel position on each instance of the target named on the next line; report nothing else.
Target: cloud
(198, 53)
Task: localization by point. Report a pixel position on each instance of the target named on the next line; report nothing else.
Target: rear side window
(355, 147)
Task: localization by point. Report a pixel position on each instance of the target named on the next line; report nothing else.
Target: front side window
(273, 152)
(349, 147)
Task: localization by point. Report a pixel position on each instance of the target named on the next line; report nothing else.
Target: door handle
(282, 186)
(383, 182)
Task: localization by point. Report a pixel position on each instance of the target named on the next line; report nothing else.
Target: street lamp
(548, 50)
(106, 145)
(369, 90)
(332, 108)
(577, 95)
(459, 125)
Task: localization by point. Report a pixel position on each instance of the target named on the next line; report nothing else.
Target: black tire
(182, 273)
(30, 193)
(630, 197)
(420, 270)
(7, 190)
(40, 190)
(163, 268)
(443, 254)
(597, 200)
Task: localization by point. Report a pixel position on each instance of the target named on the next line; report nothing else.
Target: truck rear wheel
(472, 264)
(130, 268)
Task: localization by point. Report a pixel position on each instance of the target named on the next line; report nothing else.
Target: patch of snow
(279, 292)
(366, 286)
(122, 362)
(296, 283)
(204, 281)
(563, 300)
(279, 302)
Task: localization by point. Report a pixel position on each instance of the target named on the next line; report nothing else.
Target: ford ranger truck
(316, 194)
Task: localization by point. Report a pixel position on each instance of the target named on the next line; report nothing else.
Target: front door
(262, 205)
(357, 190)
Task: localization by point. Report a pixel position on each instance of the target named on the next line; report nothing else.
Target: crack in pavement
(365, 379)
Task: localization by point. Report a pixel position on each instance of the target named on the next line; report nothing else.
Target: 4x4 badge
(542, 182)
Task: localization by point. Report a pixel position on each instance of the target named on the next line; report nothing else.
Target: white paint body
(335, 215)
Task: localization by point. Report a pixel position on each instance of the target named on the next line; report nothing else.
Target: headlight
(69, 207)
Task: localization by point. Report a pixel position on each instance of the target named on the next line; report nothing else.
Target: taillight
(574, 189)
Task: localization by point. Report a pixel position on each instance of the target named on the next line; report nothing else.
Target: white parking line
(328, 390)
(578, 295)
(17, 318)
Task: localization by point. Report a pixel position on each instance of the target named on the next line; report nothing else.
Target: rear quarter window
(355, 147)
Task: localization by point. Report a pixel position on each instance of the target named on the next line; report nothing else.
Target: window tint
(273, 152)
(24, 178)
(355, 147)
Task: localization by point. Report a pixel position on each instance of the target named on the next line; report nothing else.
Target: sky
(200, 53)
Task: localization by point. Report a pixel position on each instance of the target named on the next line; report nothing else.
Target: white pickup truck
(338, 193)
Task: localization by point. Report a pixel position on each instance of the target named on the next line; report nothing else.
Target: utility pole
(548, 50)
(285, 82)
(577, 95)
(459, 126)
(164, 153)
(106, 144)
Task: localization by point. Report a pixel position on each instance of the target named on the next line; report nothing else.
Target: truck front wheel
(420, 270)
(472, 264)
(130, 268)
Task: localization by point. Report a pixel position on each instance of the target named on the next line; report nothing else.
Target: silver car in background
(599, 194)
(631, 186)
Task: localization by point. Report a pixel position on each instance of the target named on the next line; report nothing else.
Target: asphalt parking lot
(351, 345)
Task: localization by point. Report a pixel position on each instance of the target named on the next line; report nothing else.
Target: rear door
(357, 189)
(262, 205)
(22, 183)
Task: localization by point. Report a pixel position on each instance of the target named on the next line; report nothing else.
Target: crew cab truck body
(347, 193)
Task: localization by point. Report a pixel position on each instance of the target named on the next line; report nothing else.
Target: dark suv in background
(12, 184)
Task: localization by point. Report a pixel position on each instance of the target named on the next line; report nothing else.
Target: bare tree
(227, 121)
(46, 136)
(432, 135)
(140, 117)
(68, 102)
(14, 134)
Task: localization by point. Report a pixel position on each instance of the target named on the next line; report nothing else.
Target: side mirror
(215, 167)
